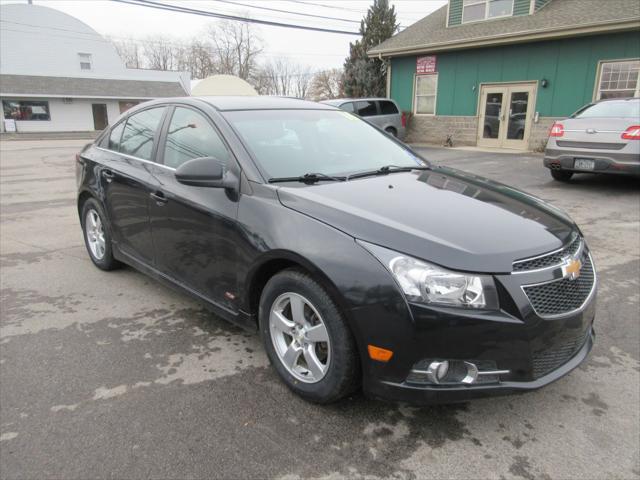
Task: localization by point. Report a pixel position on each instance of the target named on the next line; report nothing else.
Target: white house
(59, 75)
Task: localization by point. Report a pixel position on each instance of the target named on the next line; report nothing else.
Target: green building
(498, 73)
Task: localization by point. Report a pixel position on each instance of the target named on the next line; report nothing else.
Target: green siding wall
(521, 7)
(569, 65)
(540, 4)
(455, 12)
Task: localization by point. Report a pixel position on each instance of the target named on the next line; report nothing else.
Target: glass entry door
(506, 113)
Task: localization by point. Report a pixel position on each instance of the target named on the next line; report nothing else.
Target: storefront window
(425, 94)
(21, 110)
(474, 10)
(618, 80)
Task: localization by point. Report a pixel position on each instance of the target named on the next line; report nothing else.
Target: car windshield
(611, 109)
(290, 143)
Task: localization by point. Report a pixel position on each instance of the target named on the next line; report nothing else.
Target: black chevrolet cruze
(361, 264)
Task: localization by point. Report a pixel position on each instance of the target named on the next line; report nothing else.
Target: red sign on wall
(426, 64)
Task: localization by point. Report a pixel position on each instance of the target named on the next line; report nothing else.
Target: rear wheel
(96, 236)
(307, 339)
(561, 175)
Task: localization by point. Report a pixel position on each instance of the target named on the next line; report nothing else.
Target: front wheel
(307, 339)
(561, 175)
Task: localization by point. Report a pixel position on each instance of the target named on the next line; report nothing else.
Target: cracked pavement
(113, 375)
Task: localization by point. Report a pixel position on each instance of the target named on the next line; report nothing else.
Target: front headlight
(427, 283)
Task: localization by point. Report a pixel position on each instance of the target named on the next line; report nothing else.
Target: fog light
(455, 372)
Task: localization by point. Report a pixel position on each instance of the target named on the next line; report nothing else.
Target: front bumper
(605, 161)
(428, 395)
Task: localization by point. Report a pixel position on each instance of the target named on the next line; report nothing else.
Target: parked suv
(602, 137)
(360, 264)
(381, 112)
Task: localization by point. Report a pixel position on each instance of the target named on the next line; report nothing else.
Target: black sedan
(361, 264)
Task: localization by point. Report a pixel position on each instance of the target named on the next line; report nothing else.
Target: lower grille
(562, 296)
(547, 360)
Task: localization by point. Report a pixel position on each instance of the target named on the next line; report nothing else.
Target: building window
(21, 110)
(425, 94)
(476, 10)
(618, 79)
(85, 61)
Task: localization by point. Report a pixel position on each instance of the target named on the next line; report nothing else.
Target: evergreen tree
(364, 76)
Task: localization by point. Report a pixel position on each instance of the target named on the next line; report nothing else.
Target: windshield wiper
(387, 169)
(308, 178)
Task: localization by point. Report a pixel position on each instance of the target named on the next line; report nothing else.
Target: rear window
(114, 137)
(611, 109)
(388, 108)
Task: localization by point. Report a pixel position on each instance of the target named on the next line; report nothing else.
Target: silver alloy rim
(95, 234)
(300, 337)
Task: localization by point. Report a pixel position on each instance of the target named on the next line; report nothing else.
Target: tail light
(404, 119)
(557, 130)
(632, 133)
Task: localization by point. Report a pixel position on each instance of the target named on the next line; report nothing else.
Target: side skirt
(240, 318)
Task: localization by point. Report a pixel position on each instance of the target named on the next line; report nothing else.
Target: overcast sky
(319, 50)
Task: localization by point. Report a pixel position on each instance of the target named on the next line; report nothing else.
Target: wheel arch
(277, 261)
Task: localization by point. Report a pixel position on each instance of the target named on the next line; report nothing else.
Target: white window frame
(597, 92)
(415, 95)
(84, 57)
(486, 11)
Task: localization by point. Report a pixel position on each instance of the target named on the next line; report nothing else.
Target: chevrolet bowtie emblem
(571, 268)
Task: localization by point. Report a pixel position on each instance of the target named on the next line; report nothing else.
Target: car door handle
(159, 198)
(108, 175)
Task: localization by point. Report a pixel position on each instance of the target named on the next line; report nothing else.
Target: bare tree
(302, 81)
(160, 52)
(235, 48)
(129, 51)
(283, 77)
(326, 84)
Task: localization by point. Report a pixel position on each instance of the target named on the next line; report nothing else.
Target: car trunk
(594, 133)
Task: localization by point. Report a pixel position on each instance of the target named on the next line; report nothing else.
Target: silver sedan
(602, 137)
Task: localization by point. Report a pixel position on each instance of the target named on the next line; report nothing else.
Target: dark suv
(359, 262)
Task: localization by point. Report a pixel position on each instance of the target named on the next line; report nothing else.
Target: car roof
(338, 101)
(622, 99)
(261, 102)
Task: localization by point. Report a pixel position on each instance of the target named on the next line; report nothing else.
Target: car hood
(445, 216)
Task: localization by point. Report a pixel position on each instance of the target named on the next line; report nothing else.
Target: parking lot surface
(112, 375)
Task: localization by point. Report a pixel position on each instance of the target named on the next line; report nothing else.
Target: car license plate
(584, 164)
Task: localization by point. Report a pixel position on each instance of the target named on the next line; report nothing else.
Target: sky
(316, 49)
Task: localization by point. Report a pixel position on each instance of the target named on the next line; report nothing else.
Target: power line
(287, 11)
(204, 13)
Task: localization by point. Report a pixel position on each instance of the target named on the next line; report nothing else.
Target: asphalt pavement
(112, 375)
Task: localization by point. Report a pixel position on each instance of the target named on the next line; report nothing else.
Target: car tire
(97, 237)
(392, 131)
(338, 355)
(561, 175)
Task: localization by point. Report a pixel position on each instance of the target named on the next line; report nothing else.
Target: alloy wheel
(300, 337)
(95, 234)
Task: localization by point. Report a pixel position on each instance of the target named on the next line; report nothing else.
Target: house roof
(557, 19)
(43, 86)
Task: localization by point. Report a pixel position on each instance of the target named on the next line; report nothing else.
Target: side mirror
(205, 172)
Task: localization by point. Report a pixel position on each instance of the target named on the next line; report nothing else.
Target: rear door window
(139, 133)
(388, 108)
(347, 107)
(366, 108)
(113, 143)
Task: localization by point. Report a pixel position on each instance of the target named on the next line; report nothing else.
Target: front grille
(550, 260)
(565, 295)
(552, 358)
